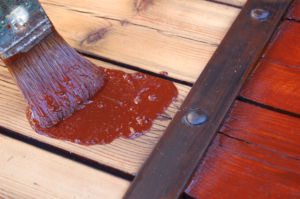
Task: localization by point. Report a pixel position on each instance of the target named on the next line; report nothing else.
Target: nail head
(195, 117)
(259, 14)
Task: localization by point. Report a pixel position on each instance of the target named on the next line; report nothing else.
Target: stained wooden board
(28, 172)
(294, 12)
(123, 154)
(274, 85)
(174, 36)
(256, 156)
(285, 45)
(276, 131)
(234, 169)
(276, 82)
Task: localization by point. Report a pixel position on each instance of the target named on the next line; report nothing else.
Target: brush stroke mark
(95, 36)
(142, 5)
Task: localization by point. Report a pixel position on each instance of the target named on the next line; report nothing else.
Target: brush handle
(23, 24)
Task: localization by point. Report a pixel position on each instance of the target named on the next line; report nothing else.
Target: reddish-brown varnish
(294, 12)
(125, 107)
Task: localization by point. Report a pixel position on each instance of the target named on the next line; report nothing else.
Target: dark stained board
(275, 85)
(234, 169)
(294, 12)
(285, 45)
(276, 131)
(171, 164)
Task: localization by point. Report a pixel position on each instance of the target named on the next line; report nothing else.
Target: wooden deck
(257, 146)
(257, 151)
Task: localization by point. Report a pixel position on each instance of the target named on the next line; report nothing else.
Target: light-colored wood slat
(27, 172)
(123, 154)
(233, 2)
(174, 36)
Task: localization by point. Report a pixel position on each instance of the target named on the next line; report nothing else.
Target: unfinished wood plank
(274, 85)
(285, 45)
(198, 20)
(123, 154)
(27, 172)
(234, 169)
(274, 131)
(294, 12)
(154, 42)
(231, 2)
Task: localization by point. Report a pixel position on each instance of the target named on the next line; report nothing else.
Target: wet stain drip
(125, 107)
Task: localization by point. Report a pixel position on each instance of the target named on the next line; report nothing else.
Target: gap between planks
(29, 173)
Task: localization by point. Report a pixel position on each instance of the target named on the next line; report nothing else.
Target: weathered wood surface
(175, 36)
(294, 13)
(237, 169)
(274, 85)
(123, 154)
(27, 172)
(180, 149)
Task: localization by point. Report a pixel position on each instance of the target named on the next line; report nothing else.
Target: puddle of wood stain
(125, 107)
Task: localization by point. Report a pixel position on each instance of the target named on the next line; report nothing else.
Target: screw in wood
(195, 117)
(259, 14)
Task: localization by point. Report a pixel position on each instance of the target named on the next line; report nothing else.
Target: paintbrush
(54, 79)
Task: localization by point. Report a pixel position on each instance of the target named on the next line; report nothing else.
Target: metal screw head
(259, 14)
(195, 117)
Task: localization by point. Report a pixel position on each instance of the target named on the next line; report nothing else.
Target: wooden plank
(274, 131)
(285, 45)
(174, 36)
(294, 12)
(198, 20)
(28, 172)
(235, 169)
(274, 85)
(180, 149)
(123, 154)
(238, 3)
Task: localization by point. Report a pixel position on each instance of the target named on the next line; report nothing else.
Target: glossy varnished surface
(285, 45)
(294, 12)
(125, 107)
(275, 131)
(275, 85)
(239, 169)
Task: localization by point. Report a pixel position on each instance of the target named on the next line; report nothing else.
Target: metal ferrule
(23, 24)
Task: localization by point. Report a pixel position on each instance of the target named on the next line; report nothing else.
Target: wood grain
(234, 169)
(271, 130)
(174, 36)
(294, 12)
(285, 45)
(274, 85)
(231, 2)
(27, 172)
(123, 154)
(180, 149)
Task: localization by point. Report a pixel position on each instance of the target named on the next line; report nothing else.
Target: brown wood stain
(125, 107)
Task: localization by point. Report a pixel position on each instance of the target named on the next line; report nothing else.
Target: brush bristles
(55, 80)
